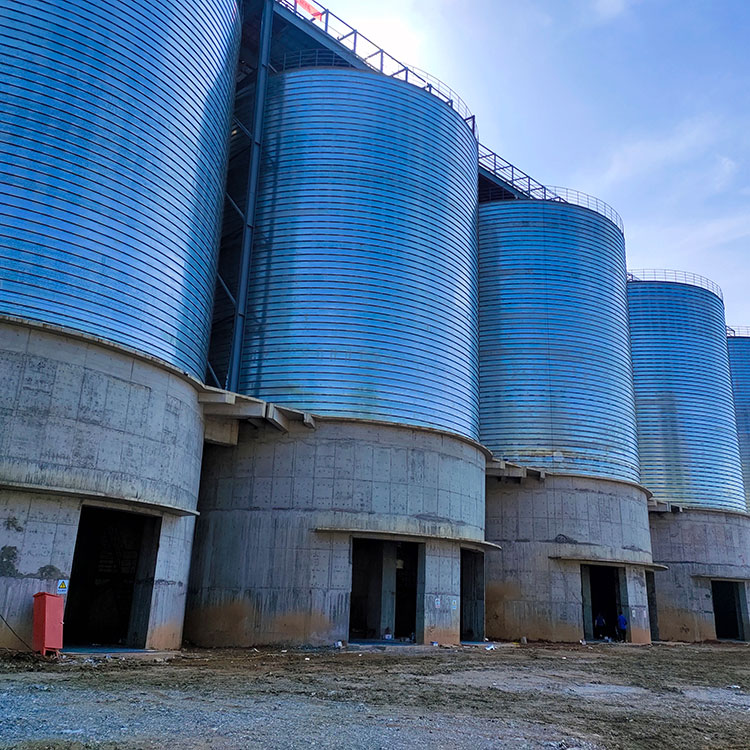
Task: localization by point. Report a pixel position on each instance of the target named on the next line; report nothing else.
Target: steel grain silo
(556, 396)
(362, 309)
(556, 382)
(690, 456)
(115, 121)
(738, 343)
(687, 429)
(114, 124)
(362, 298)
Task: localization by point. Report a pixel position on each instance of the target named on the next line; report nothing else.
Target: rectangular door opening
(653, 615)
(472, 595)
(112, 577)
(602, 600)
(383, 604)
(728, 605)
(405, 620)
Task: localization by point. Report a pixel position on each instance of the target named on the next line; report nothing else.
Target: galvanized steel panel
(363, 298)
(112, 161)
(686, 421)
(739, 367)
(556, 387)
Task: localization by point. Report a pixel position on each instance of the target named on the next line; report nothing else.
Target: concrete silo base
(349, 531)
(100, 454)
(704, 593)
(571, 547)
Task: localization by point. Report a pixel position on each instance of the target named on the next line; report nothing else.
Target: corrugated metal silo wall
(363, 297)
(687, 431)
(115, 119)
(556, 386)
(739, 366)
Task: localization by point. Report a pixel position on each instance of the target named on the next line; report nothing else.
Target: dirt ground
(564, 697)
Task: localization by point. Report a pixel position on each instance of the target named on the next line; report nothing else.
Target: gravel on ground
(583, 697)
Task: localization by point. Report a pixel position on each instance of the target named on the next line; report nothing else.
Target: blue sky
(643, 103)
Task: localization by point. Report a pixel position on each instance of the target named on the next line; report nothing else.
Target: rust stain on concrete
(640, 635)
(166, 637)
(677, 624)
(229, 624)
(444, 636)
(238, 623)
(302, 627)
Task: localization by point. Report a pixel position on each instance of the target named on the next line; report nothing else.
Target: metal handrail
(379, 60)
(310, 58)
(743, 331)
(589, 201)
(376, 57)
(445, 92)
(514, 176)
(681, 277)
(530, 188)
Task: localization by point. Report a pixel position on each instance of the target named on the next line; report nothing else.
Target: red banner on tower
(311, 9)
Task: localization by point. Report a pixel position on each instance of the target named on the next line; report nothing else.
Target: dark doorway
(653, 615)
(727, 610)
(367, 573)
(112, 578)
(383, 603)
(602, 598)
(472, 595)
(405, 623)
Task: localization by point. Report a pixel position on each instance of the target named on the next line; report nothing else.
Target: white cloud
(714, 247)
(607, 10)
(685, 241)
(723, 172)
(634, 159)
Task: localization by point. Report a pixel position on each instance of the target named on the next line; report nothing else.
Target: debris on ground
(573, 697)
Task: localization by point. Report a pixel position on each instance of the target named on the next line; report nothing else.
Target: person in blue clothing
(622, 627)
(599, 624)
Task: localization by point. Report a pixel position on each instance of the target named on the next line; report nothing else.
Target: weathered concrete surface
(696, 545)
(37, 538)
(167, 614)
(37, 541)
(262, 573)
(530, 592)
(441, 617)
(80, 417)
(636, 595)
(83, 423)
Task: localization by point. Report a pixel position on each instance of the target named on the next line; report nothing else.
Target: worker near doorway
(622, 627)
(599, 624)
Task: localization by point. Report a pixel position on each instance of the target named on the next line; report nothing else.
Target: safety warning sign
(62, 585)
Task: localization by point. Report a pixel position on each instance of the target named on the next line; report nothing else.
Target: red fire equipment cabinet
(48, 622)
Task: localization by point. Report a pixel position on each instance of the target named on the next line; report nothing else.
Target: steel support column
(264, 54)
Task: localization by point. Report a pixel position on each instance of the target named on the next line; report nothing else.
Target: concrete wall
(79, 416)
(170, 582)
(37, 540)
(263, 574)
(696, 545)
(531, 594)
(81, 423)
(441, 616)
